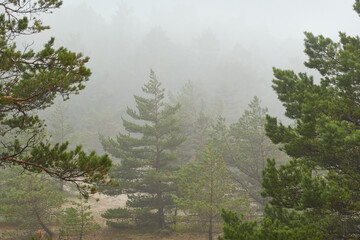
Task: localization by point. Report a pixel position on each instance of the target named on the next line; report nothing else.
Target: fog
(226, 48)
(173, 170)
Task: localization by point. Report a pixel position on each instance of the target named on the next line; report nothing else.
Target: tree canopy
(317, 193)
(29, 201)
(205, 188)
(148, 156)
(29, 81)
(245, 148)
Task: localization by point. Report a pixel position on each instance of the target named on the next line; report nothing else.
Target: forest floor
(108, 234)
(111, 234)
(99, 204)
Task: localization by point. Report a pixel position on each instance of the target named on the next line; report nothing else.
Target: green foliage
(245, 148)
(204, 189)
(77, 221)
(92, 124)
(29, 201)
(278, 225)
(114, 214)
(131, 218)
(235, 228)
(357, 6)
(195, 121)
(30, 81)
(54, 158)
(316, 195)
(148, 155)
(41, 236)
(59, 128)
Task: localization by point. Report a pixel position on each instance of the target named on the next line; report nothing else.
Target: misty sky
(227, 48)
(286, 18)
(250, 24)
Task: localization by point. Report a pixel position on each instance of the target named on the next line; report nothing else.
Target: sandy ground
(100, 203)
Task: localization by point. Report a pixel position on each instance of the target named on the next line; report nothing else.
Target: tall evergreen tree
(205, 188)
(148, 155)
(58, 125)
(317, 194)
(245, 148)
(195, 121)
(60, 130)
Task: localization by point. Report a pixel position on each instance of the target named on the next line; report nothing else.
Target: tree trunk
(175, 219)
(82, 220)
(42, 224)
(211, 199)
(161, 215)
(211, 225)
(61, 185)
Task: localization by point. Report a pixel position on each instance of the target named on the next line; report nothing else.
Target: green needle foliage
(195, 121)
(317, 194)
(77, 221)
(205, 188)
(59, 128)
(245, 148)
(30, 81)
(148, 157)
(30, 202)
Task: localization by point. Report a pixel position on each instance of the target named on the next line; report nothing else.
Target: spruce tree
(148, 156)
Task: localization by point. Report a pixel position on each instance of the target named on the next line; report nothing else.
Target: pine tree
(30, 81)
(59, 128)
(77, 221)
(29, 201)
(317, 194)
(148, 155)
(195, 121)
(245, 148)
(205, 187)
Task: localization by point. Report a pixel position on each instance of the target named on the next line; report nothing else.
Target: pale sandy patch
(100, 203)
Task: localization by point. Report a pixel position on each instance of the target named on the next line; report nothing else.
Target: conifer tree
(29, 201)
(245, 148)
(58, 125)
(205, 187)
(60, 130)
(77, 221)
(30, 80)
(195, 121)
(317, 194)
(148, 156)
